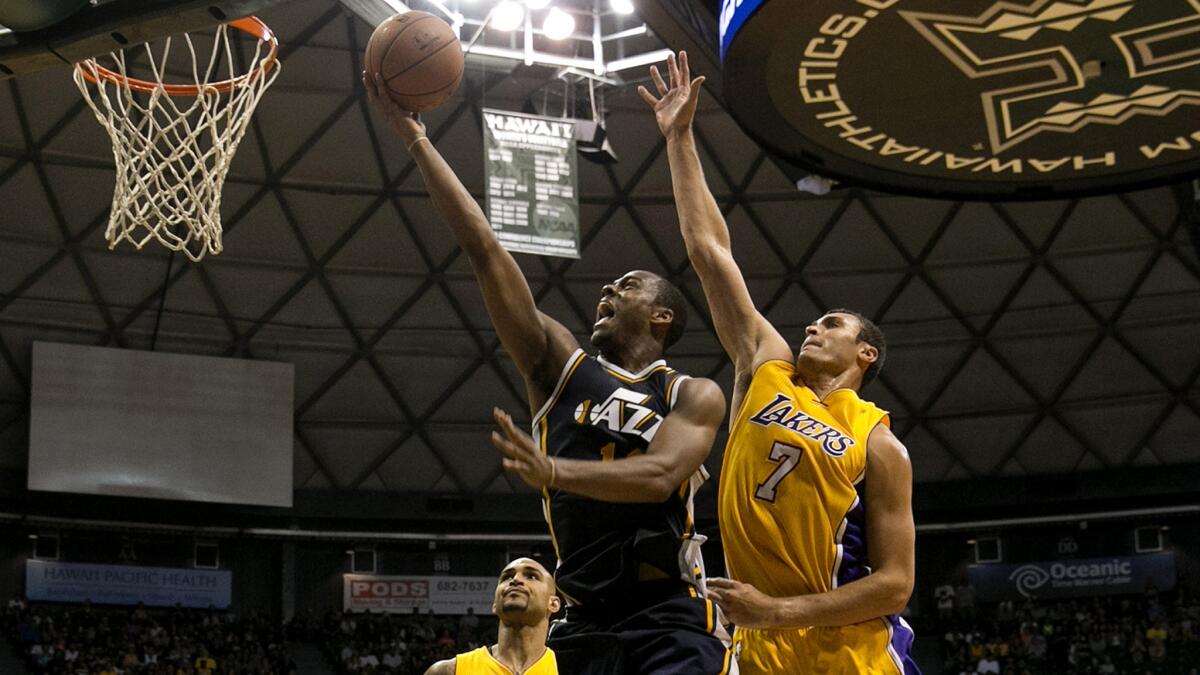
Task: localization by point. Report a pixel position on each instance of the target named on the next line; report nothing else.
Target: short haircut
(671, 297)
(870, 334)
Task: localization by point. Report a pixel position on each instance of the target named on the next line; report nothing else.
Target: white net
(172, 144)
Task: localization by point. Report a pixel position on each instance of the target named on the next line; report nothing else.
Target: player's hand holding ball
(407, 124)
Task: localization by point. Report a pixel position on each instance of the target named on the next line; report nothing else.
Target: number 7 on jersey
(788, 457)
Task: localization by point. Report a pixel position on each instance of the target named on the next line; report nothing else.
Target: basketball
(419, 59)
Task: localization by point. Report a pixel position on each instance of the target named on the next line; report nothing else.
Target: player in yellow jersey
(524, 601)
(815, 502)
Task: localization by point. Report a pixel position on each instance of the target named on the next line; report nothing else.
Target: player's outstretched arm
(538, 344)
(744, 333)
(890, 541)
(679, 447)
(447, 667)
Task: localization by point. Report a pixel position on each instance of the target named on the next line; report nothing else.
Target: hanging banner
(532, 187)
(52, 581)
(402, 595)
(1073, 578)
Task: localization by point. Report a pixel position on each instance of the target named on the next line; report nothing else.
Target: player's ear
(867, 352)
(555, 604)
(662, 315)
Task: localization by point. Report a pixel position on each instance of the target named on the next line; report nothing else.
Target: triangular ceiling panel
(1042, 306)
(25, 260)
(423, 381)
(1176, 440)
(411, 468)
(1105, 278)
(1153, 206)
(977, 235)
(1045, 363)
(25, 195)
(381, 245)
(1050, 449)
(737, 152)
(1113, 431)
(310, 310)
(929, 459)
(856, 231)
(306, 113)
(371, 299)
(261, 234)
(982, 443)
(978, 290)
(793, 223)
(858, 291)
(1035, 219)
(1173, 364)
(770, 178)
(427, 226)
(471, 454)
(750, 243)
(358, 395)
(1111, 363)
(790, 313)
(922, 366)
(484, 391)
(47, 97)
(1100, 222)
(372, 483)
(348, 452)
(323, 221)
(964, 393)
(914, 221)
(501, 485)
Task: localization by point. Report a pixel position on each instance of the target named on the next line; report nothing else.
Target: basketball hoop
(173, 143)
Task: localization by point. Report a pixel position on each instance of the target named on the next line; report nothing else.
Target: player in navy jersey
(617, 451)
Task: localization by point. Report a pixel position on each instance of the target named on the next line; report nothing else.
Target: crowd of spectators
(393, 644)
(1155, 633)
(87, 640)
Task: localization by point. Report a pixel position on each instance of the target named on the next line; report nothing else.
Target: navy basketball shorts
(674, 636)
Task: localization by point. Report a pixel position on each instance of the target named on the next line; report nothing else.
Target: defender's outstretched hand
(521, 455)
(676, 106)
(407, 124)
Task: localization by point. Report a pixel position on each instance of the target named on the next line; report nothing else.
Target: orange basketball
(419, 58)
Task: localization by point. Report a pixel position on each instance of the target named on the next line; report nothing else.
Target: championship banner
(532, 194)
(403, 594)
(50, 581)
(1073, 578)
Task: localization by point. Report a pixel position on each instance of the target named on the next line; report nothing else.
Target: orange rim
(251, 24)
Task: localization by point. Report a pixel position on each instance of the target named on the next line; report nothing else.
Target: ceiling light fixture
(558, 25)
(622, 6)
(507, 15)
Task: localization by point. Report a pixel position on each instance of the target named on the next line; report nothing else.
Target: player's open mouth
(604, 312)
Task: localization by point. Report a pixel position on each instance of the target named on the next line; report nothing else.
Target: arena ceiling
(1026, 339)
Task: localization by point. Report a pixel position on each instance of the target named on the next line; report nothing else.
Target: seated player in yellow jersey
(525, 600)
(815, 503)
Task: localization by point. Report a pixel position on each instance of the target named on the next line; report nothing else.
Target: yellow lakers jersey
(481, 662)
(790, 507)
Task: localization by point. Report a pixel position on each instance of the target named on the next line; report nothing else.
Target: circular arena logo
(1029, 578)
(971, 98)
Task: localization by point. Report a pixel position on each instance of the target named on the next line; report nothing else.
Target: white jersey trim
(558, 388)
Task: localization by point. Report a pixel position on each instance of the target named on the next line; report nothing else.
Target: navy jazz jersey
(601, 412)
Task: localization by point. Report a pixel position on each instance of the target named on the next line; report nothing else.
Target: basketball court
(1036, 266)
